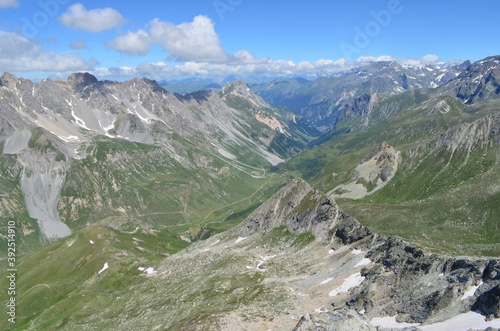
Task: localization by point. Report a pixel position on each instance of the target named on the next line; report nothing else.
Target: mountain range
(365, 200)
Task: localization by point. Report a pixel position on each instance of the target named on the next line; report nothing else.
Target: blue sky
(175, 39)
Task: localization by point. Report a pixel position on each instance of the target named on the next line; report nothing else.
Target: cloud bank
(19, 53)
(194, 41)
(244, 64)
(95, 20)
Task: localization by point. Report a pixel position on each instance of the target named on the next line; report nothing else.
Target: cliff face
(301, 209)
(400, 280)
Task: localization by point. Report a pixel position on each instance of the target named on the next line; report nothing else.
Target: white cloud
(19, 53)
(376, 59)
(8, 3)
(430, 59)
(195, 41)
(244, 64)
(133, 43)
(244, 56)
(95, 20)
(427, 59)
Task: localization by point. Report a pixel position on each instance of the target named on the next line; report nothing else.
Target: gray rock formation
(403, 281)
(479, 81)
(301, 209)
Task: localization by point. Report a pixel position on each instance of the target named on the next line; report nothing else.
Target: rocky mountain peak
(79, 81)
(8, 79)
(481, 80)
(301, 209)
(240, 89)
(462, 66)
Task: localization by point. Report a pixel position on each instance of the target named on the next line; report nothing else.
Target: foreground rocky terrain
(298, 261)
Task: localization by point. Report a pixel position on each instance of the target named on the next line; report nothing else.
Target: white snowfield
(350, 282)
(462, 322)
(363, 262)
(471, 291)
(390, 322)
(356, 252)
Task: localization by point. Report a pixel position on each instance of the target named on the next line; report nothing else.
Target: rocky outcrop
(479, 81)
(80, 81)
(371, 175)
(401, 280)
(481, 133)
(420, 287)
(301, 209)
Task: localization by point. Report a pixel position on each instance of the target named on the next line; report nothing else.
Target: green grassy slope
(439, 199)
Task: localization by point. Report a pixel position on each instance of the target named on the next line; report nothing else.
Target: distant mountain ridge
(318, 101)
(448, 151)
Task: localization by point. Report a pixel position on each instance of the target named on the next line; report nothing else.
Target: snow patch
(463, 322)
(331, 251)
(79, 121)
(144, 119)
(106, 266)
(471, 291)
(69, 139)
(260, 263)
(363, 262)
(350, 282)
(321, 310)
(240, 239)
(149, 271)
(215, 243)
(356, 252)
(326, 281)
(391, 323)
(91, 242)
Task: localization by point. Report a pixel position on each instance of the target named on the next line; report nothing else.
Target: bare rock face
(403, 281)
(419, 287)
(301, 209)
(468, 136)
(480, 81)
(79, 81)
(371, 175)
